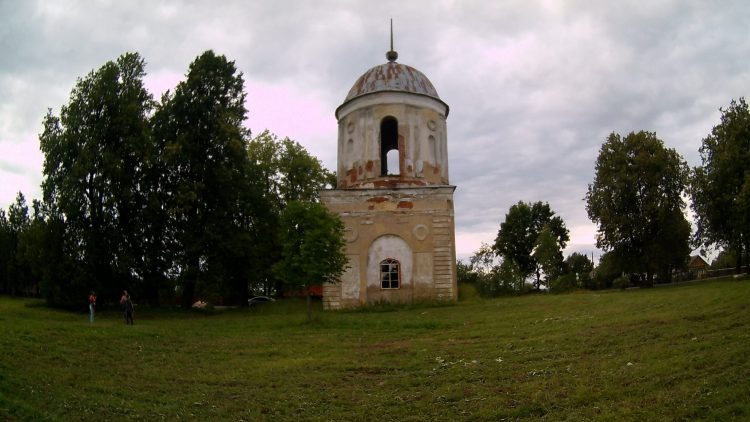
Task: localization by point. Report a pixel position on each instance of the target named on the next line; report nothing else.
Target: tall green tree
(287, 172)
(6, 252)
(32, 249)
(510, 276)
(18, 271)
(92, 171)
(290, 173)
(313, 244)
(484, 259)
(199, 130)
(720, 186)
(636, 201)
(726, 259)
(14, 273)
(492, 277)
(548, 255)
(581, 267)
(465, 273)
(519, 232)
(610, 267)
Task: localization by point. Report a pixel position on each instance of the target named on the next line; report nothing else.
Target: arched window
(389, 274)
(389, 142)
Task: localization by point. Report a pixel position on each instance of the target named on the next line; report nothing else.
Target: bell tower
(392, 191)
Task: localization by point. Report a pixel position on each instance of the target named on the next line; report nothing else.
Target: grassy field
(672, 353)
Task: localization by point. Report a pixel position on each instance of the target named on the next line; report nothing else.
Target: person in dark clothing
(127, 307)
(92, 306)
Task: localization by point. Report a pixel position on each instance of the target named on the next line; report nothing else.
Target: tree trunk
(151, 289)
(188, 291)
(189, 282)
(649, 279)
(309, 307)
(279, 286)
(738, 260)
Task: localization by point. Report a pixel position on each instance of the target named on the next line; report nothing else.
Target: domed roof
(392, 76)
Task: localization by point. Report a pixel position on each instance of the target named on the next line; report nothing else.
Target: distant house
(698, 266)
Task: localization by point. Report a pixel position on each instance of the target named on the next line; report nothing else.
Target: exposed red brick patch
(377, 199)
(386, 183)
(369, 166)
(401, 182)
(405, 204)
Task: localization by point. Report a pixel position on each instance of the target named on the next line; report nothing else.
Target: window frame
(387, 276)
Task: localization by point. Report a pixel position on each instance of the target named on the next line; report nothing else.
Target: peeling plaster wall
(394, 247)
(406, 216)
(423, 151)
(420, 217)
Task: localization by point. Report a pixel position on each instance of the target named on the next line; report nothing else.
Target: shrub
(493, 285)
(622, 282)
(564, 283)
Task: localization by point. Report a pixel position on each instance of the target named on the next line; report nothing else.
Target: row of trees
(637, 200)
(155, 197)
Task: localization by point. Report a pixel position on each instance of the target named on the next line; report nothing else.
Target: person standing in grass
(92, 305)
(127, 307)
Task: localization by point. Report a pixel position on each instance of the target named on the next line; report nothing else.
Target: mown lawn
(672, 353)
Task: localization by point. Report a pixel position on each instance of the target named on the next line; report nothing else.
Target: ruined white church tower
(393, 192)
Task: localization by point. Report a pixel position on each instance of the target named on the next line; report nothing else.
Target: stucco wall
(423, 151)
(393, 247)
(386, 223)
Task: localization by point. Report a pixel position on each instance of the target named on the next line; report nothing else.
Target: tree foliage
(291, 173)
(581, 267)
(520, 231)
(608, 270)
(636, 201)
(199, 130)
(548, 255)
(15, 273)
(144, 196)
(484, 260)
(313, 244)
(287, 173)
(726, 259)
(465, 273)
(92, 172)
(490, 276)
(720, 186)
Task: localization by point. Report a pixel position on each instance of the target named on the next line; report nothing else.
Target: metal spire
(391, 55)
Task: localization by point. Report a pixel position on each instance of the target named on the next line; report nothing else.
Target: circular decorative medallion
(350, 127)
(431, 125)
(420, 231)
(350, 234)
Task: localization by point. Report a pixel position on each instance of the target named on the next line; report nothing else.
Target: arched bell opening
(389, 154)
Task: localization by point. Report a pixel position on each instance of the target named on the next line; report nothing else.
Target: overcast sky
(534, 87)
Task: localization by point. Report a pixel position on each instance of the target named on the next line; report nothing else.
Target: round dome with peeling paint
(392, 76)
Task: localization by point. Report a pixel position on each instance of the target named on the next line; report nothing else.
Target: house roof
(697, 262)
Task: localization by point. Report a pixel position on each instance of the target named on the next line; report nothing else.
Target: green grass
(675, 353)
